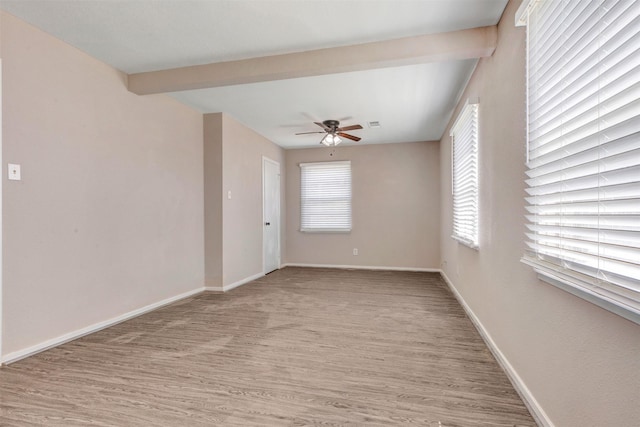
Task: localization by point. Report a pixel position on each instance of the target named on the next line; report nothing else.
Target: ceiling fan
(334, 132)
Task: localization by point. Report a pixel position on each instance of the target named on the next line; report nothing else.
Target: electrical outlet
(355, 251)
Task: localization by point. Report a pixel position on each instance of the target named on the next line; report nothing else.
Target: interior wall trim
(539, 415)
(361, 267)
(54, 342)
(233, 285)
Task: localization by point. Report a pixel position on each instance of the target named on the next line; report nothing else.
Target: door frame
(266, 160)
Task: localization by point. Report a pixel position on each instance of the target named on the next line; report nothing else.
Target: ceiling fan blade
(352, 127)
(305, 133)
(322, 126)
(351, 137)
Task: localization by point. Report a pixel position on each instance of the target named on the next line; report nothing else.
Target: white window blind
(325, 198)
(583, 186)
(464, 155)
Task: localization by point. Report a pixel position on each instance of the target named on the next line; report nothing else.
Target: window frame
(615, 290)
(468, 117)
(308, 227)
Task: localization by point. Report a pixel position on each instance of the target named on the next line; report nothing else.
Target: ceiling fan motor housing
(331, 124)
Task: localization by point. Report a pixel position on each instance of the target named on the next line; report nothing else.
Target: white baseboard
(530, 401)
(233, 285)
(541, 418)
(361, 267)
(54, 342)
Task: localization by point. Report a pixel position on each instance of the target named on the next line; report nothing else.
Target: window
(583, 186)
(325, 199)
(464, 158)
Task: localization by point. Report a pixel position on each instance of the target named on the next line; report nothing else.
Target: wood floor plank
(298, 347)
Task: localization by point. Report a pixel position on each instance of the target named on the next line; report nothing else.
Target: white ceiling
(413, 103)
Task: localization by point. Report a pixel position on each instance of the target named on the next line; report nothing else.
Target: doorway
(270, 215)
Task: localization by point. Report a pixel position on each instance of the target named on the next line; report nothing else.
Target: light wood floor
(297, 347)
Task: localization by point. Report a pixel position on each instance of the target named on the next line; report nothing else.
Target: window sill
(585, 293)
(466, 242)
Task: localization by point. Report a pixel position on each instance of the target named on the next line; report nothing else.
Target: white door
(270, 214)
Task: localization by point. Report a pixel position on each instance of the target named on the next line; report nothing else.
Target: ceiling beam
(455, 45)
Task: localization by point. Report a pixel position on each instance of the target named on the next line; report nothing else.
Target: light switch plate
(14, 172)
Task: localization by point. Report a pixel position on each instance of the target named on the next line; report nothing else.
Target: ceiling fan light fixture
(331, 139)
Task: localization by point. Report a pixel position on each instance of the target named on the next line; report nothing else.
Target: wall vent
(375, 124)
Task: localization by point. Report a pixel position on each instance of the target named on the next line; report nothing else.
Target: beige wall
(108, 216)
(233, 163)
(212, 143)
(395, 207)
(579, 361)
(243, 151)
